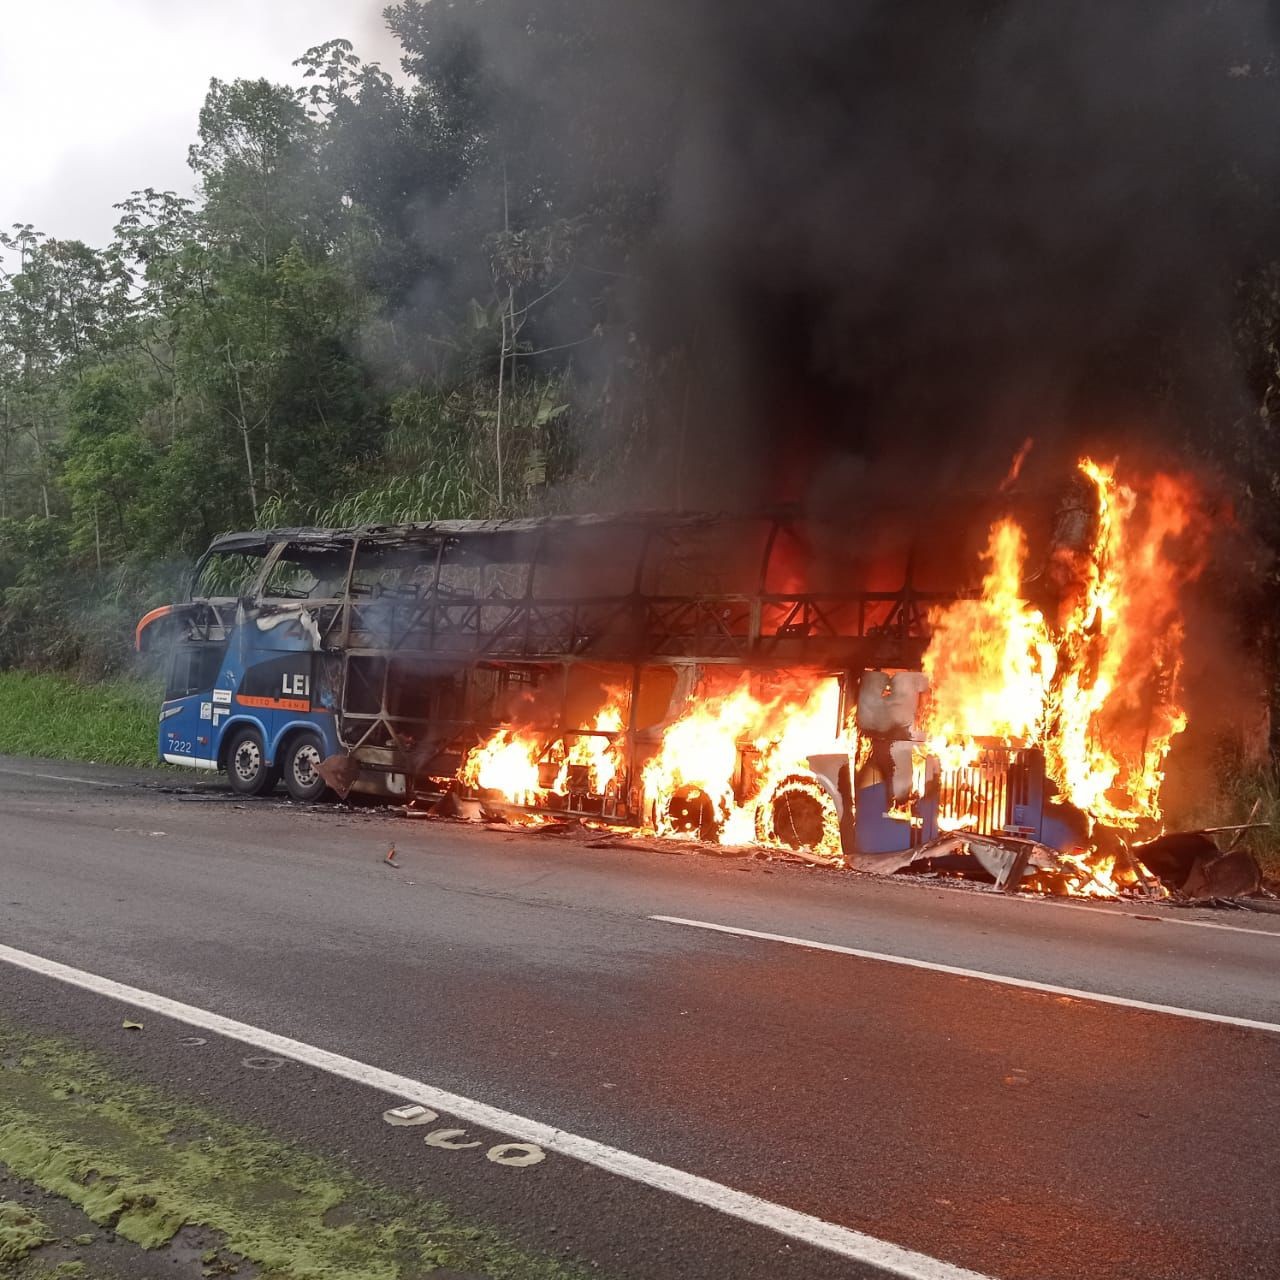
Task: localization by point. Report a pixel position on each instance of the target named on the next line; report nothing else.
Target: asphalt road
(1022, 1134)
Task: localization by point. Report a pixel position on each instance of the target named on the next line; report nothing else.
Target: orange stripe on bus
(147, 619)
(278, 704)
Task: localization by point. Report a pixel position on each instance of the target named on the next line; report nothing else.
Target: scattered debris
(131, 1026)
(450, 805)
(340, 773)
(1191, 863)
(1182, 865)
(390, 859)
(1188, 868)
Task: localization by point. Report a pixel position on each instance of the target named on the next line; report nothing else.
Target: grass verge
(20, 1232)
(148, 1166)
(111, 722)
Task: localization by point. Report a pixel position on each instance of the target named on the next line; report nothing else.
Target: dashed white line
(1097, 910)
(59, 777)
(1101, 997)
(803, 1227)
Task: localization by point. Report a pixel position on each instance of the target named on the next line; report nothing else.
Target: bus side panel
(184, 737)
(320, 722)
(275, 693)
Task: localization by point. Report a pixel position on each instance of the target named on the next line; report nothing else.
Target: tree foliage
(389, 301)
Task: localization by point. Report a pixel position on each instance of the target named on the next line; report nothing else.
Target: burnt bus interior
(428, 637)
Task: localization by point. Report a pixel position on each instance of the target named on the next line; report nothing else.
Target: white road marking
(1096, 909)
(803, 1227)
(58, 777)
(1251, 1024)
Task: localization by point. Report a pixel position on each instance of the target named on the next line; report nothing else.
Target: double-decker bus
(375, 658)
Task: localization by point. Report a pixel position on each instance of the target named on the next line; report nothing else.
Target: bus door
(191, 705)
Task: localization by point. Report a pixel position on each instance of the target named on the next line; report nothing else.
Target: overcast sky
(99, 98)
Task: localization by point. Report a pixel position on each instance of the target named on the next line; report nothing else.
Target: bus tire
(301, 780)
(247, 768)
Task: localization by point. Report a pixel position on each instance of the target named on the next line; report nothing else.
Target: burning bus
(765, 679)
(687, 673)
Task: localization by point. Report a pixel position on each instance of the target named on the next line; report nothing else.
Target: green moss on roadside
(146, 1164)
(20, 1232)
(111, 722)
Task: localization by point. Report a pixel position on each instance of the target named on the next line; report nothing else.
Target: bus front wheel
(247, 768)
(301, 777)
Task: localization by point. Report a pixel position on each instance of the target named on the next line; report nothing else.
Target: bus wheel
(301, 779)
(247, 768)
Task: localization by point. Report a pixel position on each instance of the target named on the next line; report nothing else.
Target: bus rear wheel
(247, 768)
(301, 777)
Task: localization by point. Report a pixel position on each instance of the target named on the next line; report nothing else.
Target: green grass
(143, 1163)
(111, 722)
(20, 1232)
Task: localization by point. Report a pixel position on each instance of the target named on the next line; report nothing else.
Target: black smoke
(890, 240)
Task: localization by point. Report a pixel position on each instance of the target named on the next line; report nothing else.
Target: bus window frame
(340, 547)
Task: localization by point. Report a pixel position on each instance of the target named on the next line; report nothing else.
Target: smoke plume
(898, 238)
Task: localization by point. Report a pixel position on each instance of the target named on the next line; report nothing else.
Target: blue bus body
(268, 682)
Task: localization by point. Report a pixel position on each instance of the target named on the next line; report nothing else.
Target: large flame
(990, 661)
(692, 776)
(1095, 686)
(1087, 673)
(513, 761)
(507, 762)
(731, 766)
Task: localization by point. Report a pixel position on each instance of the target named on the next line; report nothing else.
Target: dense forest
(587, 255)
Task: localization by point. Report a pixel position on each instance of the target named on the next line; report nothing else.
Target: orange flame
(511, 760)
(732, 765)
(990, 661)
(700, 753)
(507, 762)
(1096, 687)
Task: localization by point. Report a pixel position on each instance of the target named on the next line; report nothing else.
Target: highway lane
(1017, 1133)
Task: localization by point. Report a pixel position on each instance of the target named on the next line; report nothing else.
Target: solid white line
(1026, 984)
(58, 777)
(688, 1186)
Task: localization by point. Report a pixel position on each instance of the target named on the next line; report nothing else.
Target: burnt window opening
(488, 567)
(227, 575)
(308, 573)
(194, 668)
(580, 564)
(710, 558)
(396, 573)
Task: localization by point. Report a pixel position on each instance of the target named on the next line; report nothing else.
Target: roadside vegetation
(1246, 791)
(313, 341)
(111, 721)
